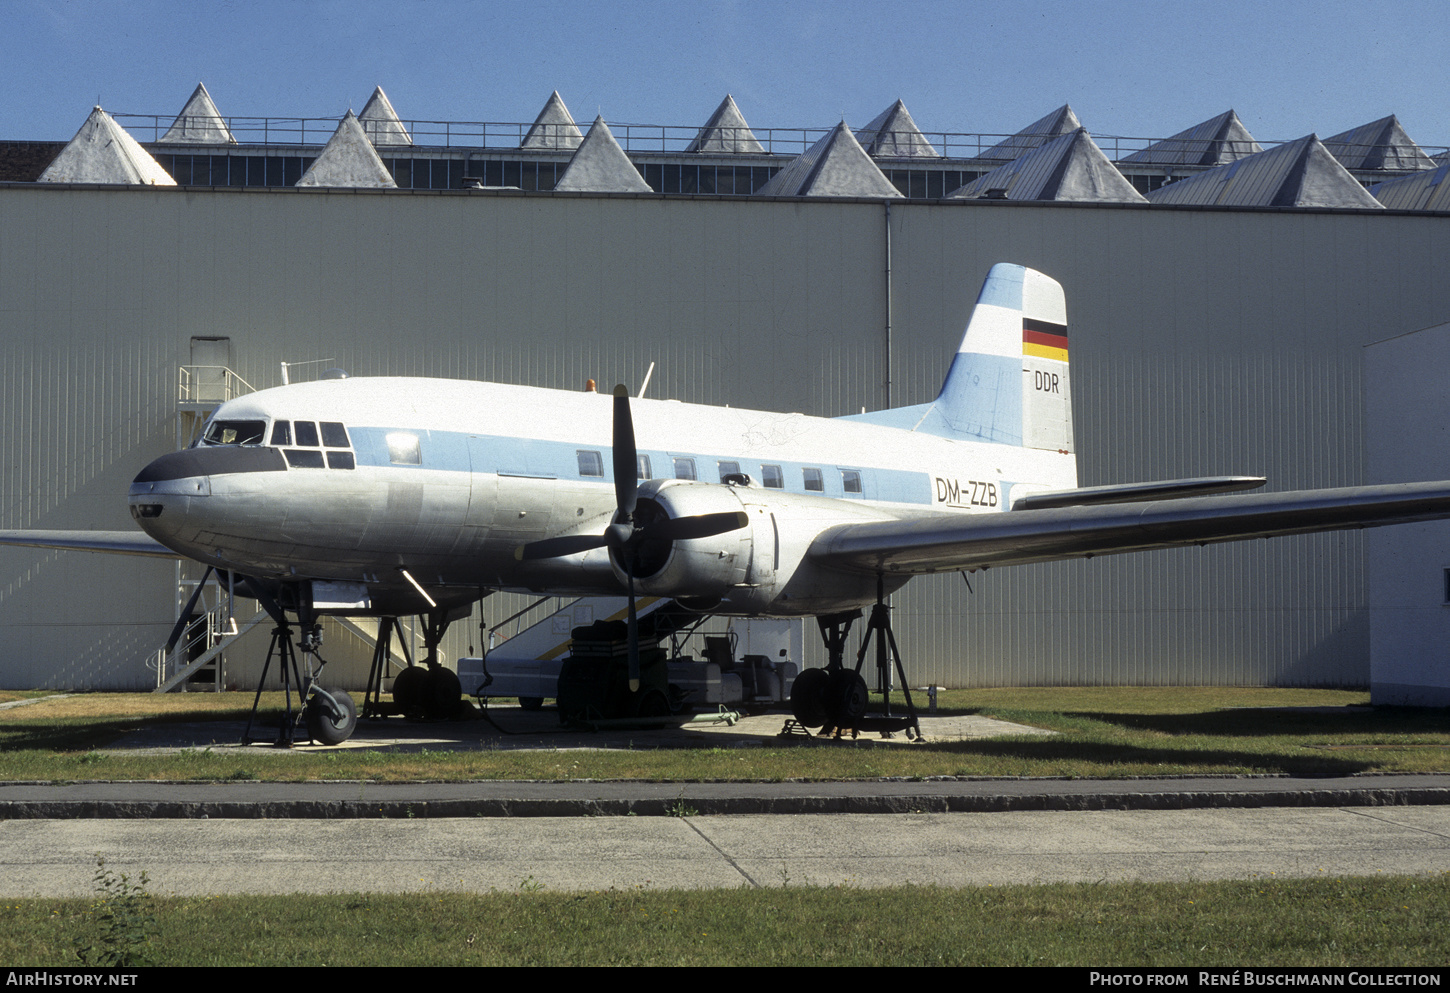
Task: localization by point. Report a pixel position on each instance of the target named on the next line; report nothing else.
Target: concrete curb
(686, 804)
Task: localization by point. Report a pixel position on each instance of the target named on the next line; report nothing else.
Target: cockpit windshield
(235, 433)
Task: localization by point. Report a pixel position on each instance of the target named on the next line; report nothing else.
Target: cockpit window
(306, 433)
(282, 433)
(236, 432)
(334, 435)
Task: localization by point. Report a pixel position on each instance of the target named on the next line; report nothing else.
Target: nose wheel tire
(329, 725)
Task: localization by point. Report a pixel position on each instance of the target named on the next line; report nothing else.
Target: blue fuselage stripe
(449, 451)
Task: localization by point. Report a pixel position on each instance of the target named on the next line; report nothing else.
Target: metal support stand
(879, 626)
(286, 655)
(373, 707)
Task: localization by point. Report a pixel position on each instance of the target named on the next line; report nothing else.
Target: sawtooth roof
(1380, 144)
(1061, 121)
(102, 152)
(199, 123)
(553, 128)
(1070, 167)
(1298, 173)
(1423, 190)
(892, 134)
(599, 165)
(380, 121)
(1215, 142)
(348, 160)
(835, 166)
(726, 132)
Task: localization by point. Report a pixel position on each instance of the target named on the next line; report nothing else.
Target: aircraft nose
(190, 463)
(188, 473)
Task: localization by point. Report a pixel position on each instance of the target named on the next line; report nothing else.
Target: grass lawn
(1320, 922)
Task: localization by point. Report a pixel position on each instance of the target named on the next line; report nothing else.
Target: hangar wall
(1406, 396)
(1204, 341)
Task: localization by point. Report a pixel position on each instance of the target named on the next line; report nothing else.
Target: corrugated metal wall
(1203, 341)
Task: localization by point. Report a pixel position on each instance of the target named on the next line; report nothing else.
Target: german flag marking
(1044, 340)
(1044, 352)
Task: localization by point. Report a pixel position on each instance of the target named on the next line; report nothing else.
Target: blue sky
(1128, 69)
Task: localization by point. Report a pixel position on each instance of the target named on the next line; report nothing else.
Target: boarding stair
(526, 664)
(204, 641)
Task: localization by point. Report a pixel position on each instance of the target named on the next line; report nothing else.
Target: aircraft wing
(1014, 537)
(114, 542)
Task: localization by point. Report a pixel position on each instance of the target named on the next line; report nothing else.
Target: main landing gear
(834, 698)
(423, 690)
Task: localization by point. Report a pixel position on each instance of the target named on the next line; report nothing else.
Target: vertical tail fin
(1009, 380)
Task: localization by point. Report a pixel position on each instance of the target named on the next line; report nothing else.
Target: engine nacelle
(758, 568)
(704, 569)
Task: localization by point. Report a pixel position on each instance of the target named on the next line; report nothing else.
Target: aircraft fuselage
(352, 480)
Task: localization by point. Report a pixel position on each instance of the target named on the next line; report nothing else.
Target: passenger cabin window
(684, 468)
(772, 477)
(307, 433)
(334, 435)
(403, 448)
(850, 480)
(815, 483)
(729, 469)
(591, 464)
(282, 433)
(642, 467)
(236, 432)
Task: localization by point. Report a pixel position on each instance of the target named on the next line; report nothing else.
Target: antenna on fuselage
(287, 365)
(645, 385)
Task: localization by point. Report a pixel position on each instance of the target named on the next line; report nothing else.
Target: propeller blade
(549, 548)
(185, 618)
(699, 526)
(626, 459)
(633, 637)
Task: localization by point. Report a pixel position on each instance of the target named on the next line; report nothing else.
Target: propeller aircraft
(393, 496)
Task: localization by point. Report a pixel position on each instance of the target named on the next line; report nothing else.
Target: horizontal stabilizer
(1171, 489)
(113, 542)
(978, 541)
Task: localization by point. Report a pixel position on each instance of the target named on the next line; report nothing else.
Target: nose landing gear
(329, 716)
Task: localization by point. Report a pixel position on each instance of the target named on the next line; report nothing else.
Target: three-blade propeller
(626, 534)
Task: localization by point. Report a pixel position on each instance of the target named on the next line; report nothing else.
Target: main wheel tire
(410, 688)
(808, 698)
(653, 703)
(847, 696)
(445, 694)
(325, 726)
